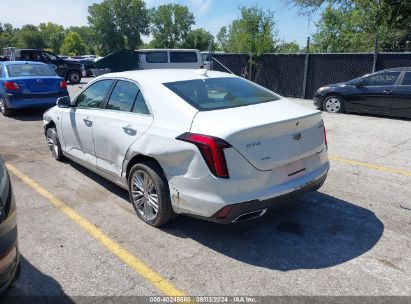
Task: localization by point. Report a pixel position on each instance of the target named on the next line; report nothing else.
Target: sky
(209, 14)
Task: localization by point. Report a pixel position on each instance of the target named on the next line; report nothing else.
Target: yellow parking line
(139, 267)
(367, 165)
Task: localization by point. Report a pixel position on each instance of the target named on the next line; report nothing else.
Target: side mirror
(64, 102)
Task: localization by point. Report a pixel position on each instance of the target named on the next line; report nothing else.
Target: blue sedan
(29, 85)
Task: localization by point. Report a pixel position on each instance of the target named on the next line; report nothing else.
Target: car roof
(167, 75)
(398, 69)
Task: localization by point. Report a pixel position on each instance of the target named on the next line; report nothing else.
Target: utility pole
(374, 66)
(307, 54)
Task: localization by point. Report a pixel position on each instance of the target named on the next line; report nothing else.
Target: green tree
(222, 38)
(254, 32)
(198, 39)
(347, 26)
(88, 36)
(119, 23)
(289, 47)
(171, 24)
(7, 35)
(73, 45)
(29, 36)
(53, 35)
(132, 18)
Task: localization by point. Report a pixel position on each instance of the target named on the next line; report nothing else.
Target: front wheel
(333, 104)
(54, 143)
(149, 194)
(74, 77)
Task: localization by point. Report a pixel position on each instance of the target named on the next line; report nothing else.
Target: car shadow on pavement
(28, 114)
(316, 232)
(34, 287)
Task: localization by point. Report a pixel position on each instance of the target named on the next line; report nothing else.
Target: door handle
(87, 121)
(387, 92)
(129, 130)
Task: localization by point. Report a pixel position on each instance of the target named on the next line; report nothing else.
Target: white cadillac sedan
(202, 143)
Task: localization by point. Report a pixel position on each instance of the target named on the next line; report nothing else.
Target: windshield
(19, 70)
(220, 93)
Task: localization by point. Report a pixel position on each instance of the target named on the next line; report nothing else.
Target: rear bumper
(22, 101)
(246, 209)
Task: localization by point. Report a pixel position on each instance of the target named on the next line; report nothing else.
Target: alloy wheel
(144, 195)
(333, 105)
(52, 143)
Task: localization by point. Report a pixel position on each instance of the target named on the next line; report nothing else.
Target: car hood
(337, 85)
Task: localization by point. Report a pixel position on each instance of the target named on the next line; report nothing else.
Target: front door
(123, 121)
(78, 121)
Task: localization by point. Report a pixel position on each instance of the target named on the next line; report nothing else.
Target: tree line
(117, 24)
(344, 26)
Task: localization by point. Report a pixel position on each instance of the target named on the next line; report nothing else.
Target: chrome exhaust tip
(250, 215)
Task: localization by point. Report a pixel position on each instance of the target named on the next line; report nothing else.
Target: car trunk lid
(268, 135)
(39, 85)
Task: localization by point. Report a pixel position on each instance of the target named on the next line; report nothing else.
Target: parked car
(204, 143)
(9, 249)
(170, 59)
(29, 85)
(70, 70)
(88, 65)
(387, 92)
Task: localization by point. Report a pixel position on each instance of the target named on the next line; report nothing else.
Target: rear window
(18, 70)
(183, 57)
(220, 93)
(156, 57)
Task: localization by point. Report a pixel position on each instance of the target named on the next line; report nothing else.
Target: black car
(387, 92)
(70, 70)
(9, 250)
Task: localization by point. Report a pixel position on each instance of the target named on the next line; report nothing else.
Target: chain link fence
(300, 75)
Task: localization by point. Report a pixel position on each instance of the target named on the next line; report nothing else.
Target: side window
(94, 94)
(382, 79)
(183, 57)
(156, 57)
(47, 56)
(407, 79)
(123, 96)
(140, 105)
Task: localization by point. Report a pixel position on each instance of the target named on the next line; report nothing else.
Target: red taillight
(11, 86)
(325, 137)
(212, 150)
(63, 84)
(223, 212)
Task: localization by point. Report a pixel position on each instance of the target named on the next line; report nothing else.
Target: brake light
(223, 213)
(212, 150)
(325, 137)
(11, 86)
(63, 84)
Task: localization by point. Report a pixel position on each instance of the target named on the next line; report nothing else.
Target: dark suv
(70, 70)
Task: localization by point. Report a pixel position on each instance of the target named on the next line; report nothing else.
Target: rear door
(78, 122)
(376, 95)
(401, 104)
(126, 118)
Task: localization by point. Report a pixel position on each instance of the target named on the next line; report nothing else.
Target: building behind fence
(300, 75)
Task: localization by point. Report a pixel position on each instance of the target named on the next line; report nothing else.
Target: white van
(169, 59)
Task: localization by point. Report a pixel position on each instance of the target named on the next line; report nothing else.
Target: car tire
(54, 143)
(149, 194)
(74, 77)
(333, 104)
(3, 108)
